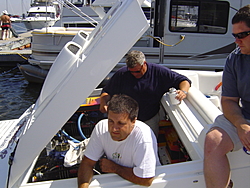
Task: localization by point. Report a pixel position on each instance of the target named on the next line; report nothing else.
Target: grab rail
(77, 11)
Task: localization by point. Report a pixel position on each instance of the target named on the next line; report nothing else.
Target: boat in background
(15, 18)
(182, 34)
(77, 15)
(46, 44)
(42, 13)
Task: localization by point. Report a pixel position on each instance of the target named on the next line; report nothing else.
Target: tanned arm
(232, 112)
(85, 172)
(182, 92)
(105, 97)
(125, 172)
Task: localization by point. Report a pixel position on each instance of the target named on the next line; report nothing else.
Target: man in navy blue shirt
(231, 131)
(146, 83)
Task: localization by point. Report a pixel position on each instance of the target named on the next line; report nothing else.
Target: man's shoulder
(139, 123)
(143, 128)
(236, 52)
(103, 121)
(102, 124)
(157, 68)
(234, 56)
(121, 71)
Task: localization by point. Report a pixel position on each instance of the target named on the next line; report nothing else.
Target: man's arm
(232, 112)
(125, 172)
(182, 92)
(105, 97)
(85, 172)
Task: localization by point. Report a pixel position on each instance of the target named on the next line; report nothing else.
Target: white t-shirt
(137, 151)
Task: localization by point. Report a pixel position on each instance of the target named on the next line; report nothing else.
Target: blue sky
(15, 6)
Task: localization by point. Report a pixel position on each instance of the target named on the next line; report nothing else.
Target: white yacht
(42, 13)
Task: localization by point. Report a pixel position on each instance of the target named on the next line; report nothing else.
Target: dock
(15, 50)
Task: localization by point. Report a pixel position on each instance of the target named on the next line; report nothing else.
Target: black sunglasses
(241, 35)
(136, 71)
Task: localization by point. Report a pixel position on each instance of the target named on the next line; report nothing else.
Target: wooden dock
(15, 50)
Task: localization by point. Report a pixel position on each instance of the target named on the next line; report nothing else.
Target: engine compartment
(50, 163)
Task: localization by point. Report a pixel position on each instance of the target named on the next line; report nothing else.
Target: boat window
(199, 16)
(41, 14)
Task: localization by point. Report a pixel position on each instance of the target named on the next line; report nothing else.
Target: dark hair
(243, 15)
(135, 57)
(123, 104)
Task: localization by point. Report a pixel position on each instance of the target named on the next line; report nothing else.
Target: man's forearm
(125, 172)
(232, 111)
(184, 86)
(128, 174)
(85, 173)
(105, 97)
(84, 177)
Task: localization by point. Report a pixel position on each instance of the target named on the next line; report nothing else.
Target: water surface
(16, 93)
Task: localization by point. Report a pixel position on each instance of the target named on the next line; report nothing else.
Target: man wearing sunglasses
(146, 83)
(231, 131)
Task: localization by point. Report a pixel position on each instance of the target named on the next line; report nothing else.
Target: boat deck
(13, 50)
(5, 126)
(7, 130)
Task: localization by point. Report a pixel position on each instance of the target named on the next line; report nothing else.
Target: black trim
(203, 13)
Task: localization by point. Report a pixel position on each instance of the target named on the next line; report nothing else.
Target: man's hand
(232, 112)
(182, 92)
(107, 165)
(127, 173)
(103, 108)
(244, 135)
(105, 97)
(181, 95)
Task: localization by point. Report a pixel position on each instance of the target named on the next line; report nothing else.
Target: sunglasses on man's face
(241, 35)
(139, 71)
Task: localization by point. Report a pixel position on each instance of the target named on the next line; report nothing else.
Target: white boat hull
(42, 14)
(31, 24)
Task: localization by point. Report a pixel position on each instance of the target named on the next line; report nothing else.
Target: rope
(170, 45)
(5, 72)
(22, 56)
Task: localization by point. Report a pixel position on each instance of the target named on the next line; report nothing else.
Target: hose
(79, 126)
(68, 136)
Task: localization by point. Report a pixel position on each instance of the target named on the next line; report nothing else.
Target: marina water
(16, 94)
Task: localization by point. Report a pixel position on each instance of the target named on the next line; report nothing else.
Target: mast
(7, 5)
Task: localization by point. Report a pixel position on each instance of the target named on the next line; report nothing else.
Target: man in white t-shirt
(130, 145)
